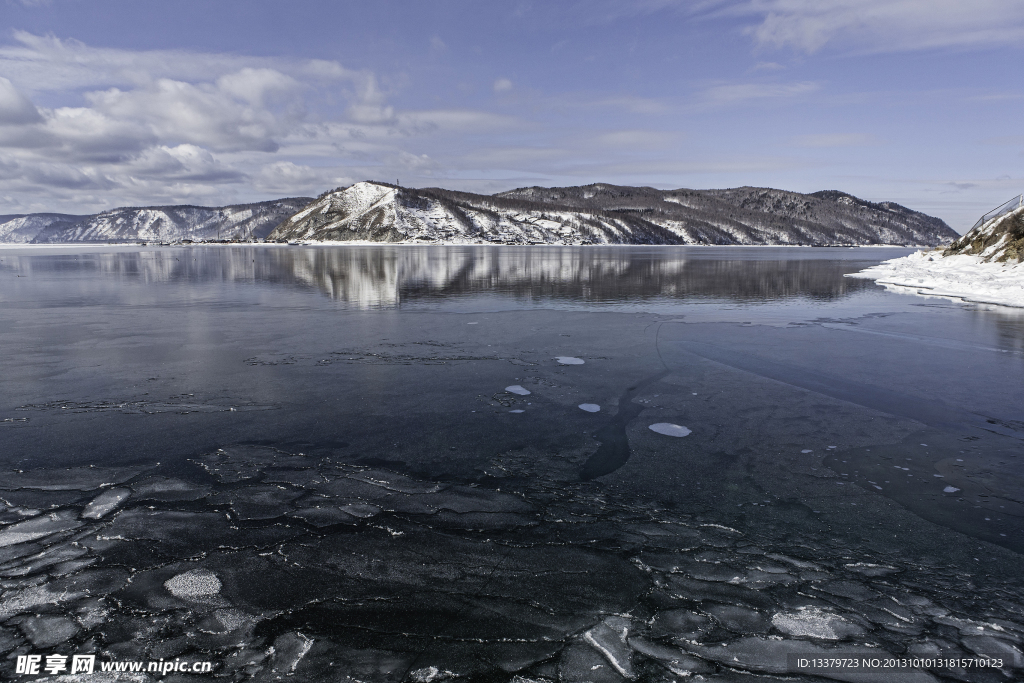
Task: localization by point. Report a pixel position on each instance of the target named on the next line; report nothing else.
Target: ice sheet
(955, 277)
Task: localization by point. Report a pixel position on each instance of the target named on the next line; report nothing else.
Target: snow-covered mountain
(754, 215)
(380, 212)
(607, 214)
(154, 223)
(592, 214)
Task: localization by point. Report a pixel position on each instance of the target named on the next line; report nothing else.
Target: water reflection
(375, 277)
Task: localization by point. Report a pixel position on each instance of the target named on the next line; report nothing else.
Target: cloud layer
(884, 25)
(175, 126)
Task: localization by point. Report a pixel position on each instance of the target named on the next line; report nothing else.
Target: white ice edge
(964, 277)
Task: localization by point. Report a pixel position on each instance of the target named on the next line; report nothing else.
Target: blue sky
(110, 103)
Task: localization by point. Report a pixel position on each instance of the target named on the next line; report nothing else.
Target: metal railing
(1006, 207)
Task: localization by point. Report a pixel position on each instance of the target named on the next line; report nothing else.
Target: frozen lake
(392, 462)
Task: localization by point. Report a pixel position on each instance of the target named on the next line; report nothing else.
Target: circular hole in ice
(569, 360)
(517, 411)
(669, 429)
(516, 389)
(590, 407)
(195, 583)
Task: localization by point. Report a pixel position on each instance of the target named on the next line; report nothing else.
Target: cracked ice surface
(386, 574)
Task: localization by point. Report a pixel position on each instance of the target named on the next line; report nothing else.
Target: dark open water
(305, 463)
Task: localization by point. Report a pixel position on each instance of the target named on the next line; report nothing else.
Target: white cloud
(637, 139)
(736, 93)
(633, 105)
(47, 63)
(884, 25)
(502, 85)
(181, 163)
(143, 127)
(202, 114)
(15, 108)
(371, 107)
(834, 140)
(285, 177)
(258, 86)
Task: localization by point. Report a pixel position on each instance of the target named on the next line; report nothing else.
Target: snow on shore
(957, 277)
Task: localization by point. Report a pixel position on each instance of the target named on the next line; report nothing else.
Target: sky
(107, 103)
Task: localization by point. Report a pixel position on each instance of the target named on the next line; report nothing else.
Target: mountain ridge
(151, 223)
(601, 213)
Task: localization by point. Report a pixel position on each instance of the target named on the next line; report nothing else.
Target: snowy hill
(379, 212)
(753, 215)
(155, 223)
(607, 214)
(591, 214)
(984, 266)
(999, 239)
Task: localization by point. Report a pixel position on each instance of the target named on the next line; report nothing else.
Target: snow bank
(956, 277)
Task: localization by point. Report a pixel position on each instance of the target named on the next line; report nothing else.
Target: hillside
(379, 212)
(751, 215)
(984, 266)
(999, 239)
(154, 223)
(607, 214)
(591, 214)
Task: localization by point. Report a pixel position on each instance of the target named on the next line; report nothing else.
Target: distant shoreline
(354, 243)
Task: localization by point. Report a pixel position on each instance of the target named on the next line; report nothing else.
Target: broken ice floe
(516, 389)
(47, 631)
(195, 584)
(609, 638)
(815, 623)
(107, 501)
(38, 527)
(569, 360)
(517, 411)
(169, 489)
(669, 429)
(590, 407)
(950, 489)
(70, 479)
(263, 598)
(807, 450)
(739, 619)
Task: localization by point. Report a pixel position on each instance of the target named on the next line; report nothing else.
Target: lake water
(372, 462)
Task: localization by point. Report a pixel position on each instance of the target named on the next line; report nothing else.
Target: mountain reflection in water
(375, 277)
